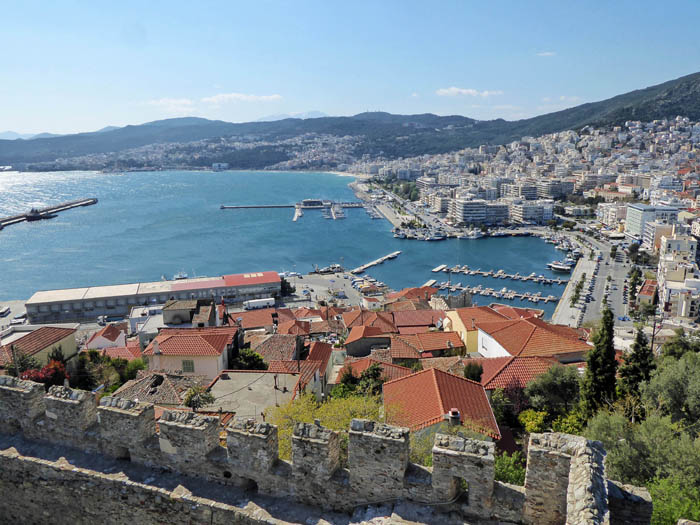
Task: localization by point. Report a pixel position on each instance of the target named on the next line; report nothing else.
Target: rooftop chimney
(454, 417)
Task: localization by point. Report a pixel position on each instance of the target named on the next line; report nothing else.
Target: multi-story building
(531, 212)
(678, 276)
(611, 213)
(639, 214)
(468, 211)
(653, 231)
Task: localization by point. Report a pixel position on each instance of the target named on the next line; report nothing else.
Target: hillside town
(257, 346)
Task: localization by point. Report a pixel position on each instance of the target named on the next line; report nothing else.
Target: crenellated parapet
(565, 479)
(125, 426)
(21, 403)
(377, 459)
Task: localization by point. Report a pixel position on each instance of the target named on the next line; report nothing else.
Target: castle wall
(565, 480)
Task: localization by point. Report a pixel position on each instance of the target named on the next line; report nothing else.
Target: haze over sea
(149, 224)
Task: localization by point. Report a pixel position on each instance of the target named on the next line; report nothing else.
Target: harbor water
(150, 224)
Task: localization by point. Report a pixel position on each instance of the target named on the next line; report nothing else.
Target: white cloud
(546, 99)
(415, 95)
(223, 98)
(173, 105)
(565, 98)
(546, 54)
(457, 92)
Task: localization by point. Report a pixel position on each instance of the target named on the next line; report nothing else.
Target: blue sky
(71, 66)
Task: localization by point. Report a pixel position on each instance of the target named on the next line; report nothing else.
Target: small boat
(179, 276)
(558, 266)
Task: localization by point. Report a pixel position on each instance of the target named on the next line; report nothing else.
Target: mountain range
(384, 133)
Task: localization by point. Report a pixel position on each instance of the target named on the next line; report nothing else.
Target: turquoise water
(151, 224)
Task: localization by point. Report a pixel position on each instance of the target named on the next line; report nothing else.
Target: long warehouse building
(87, 304)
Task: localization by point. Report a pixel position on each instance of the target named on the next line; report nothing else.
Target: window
(188, 366)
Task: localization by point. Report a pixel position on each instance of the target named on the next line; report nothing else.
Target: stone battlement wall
(565, 480)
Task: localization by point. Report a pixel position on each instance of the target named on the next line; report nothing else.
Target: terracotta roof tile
(422, 292)
(389, 371)
(111, 332)
(383, 320)
(534, 337)
(422, 399)
(35, 341)
(360, 332)
(473, 315)
(321, 352)
(516, 372)
(418, 318)
(210, 341)
(410, 346)
(278, 347)
(294, 327)
(157, 387)
(513, 312)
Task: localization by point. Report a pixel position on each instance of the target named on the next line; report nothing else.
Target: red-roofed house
(131, 351)
(294, 327)
(464, 321)
(360, 317)
(362, 339)
(531, 337)
(39, 343)
(429, 344)
(512, 372)
(389, 371)
(417, 321)
(322, 353)
(422, 292)
(424, 399)
(513, 312)
(110, 336)
(195, 351)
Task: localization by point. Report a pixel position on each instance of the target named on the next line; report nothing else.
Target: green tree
(598, 385)
(674, 499)
(248, 359)
(637, 365)
(533, 421)
(571, 423)
(679, 345)
(473, 371)
(198, 397)
(502, 408)
(133, 367)
(510, 468)
(56, 354)
(21, 362)
(556, 391)
(674, 389)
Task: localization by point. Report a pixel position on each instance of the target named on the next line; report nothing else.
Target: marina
(329, 209)
(499, 274)
(361, 269)
(503, 293)
(45, 213)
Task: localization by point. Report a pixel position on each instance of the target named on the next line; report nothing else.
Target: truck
(254, 304)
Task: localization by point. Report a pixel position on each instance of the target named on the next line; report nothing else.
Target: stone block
(377, 459)
(187, 437)
(460, 463)
(21, 402)
(315, 452)
(631, 505)
(252, 447)
(124, 424)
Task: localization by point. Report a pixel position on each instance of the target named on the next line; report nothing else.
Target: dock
(362, 268)
(45, 213)
(503, 293)
(499, 274)
(431, 282)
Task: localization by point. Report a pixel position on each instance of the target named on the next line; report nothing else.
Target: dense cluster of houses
(421, 352)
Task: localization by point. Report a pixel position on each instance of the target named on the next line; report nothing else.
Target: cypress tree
(637, 366)
(598, 385)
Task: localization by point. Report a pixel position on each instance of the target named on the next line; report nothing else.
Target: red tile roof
(249, 279)
(422, 292)
(360, 332)
(111, 332)
(35, 341)
(516, 372)
(513, 312)
(321, 352)
(473, 315)
(422, 399)
(294, 327)
(209, 341)
(416, 345)
(360, 317)
(260, 318)
(278, 347)
(389, 371)
(424, 318)
(534, 337)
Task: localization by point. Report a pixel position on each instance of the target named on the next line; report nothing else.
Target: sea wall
(565, 479)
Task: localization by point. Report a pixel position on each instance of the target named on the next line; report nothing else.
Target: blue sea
(150, 224)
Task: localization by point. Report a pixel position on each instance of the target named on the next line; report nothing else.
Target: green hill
(390, 135)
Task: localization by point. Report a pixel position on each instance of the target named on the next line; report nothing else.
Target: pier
(362, 268)
(45, 213)
(503, 293)
(499, 274)
(431, 282)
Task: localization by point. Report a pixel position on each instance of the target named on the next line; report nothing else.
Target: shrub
(510, 468)
(532, 420)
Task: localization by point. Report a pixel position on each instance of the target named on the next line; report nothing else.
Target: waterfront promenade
(564, 313)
